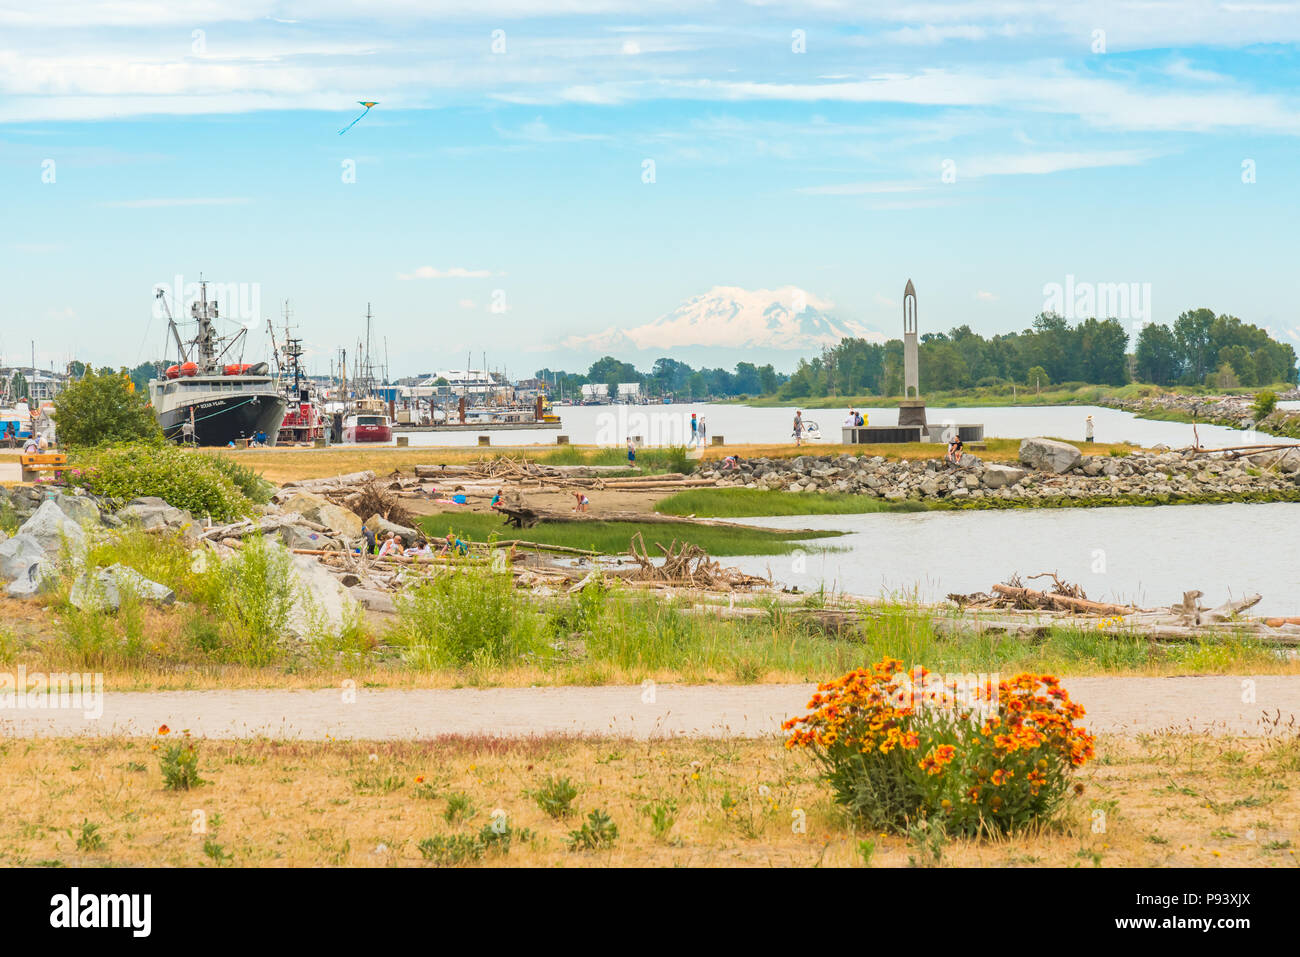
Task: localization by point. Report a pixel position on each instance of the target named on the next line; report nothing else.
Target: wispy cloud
(164, 202)
(455, 272)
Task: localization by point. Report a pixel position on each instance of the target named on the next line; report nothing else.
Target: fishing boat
(304, 418)
(367, 418)
(206, 399)
(367, 421)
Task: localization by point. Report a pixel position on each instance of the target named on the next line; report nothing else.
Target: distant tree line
(1205, 349)
(669, 377)
(1200, 349)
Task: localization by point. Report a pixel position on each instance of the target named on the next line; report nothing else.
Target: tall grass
(615, 537)
(471, 615)
(256, 600)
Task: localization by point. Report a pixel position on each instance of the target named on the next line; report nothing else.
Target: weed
(89, 839)
(597, 832)
(555, 797)
(459, 808)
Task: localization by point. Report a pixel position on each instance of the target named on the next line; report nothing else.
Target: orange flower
(163, 729)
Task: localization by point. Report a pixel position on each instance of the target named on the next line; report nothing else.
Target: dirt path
(1115, 705)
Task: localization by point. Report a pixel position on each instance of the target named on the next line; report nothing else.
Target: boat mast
(205, 312)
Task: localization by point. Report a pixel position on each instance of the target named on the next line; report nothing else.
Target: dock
(476, 427)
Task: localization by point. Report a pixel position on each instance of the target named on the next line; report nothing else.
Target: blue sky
(203, 137)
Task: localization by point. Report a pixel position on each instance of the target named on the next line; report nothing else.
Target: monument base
(911, 412)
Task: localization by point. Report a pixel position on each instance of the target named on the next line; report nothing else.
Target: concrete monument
(911, 410)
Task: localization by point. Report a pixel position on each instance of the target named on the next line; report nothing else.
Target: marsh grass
(743, 502)
(614, 538)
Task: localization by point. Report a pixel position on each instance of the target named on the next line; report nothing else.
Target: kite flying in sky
(367, 106)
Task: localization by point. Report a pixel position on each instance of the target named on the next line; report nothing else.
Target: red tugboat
(304, 422)
(368, 422)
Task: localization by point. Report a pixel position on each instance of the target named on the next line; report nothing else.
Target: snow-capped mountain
(788, 318)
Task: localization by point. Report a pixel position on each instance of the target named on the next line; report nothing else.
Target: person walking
(704, 432)
(798, 427)
(695, 430)
(1087, 429)
(631, 453)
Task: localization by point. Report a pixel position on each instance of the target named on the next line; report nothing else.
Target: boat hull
(368, 433)
(220, 421)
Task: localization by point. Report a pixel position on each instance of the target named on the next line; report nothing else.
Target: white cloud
(983, 296)
(1039, 164)
(455, 272)
(466, 303)
(166, 202)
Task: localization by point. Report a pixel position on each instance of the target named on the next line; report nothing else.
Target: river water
(1147, 555)
(662, 425)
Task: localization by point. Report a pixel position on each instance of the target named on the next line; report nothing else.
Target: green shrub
(555, 796)
(1265, 403)
(180, 765)
(256, 599)
(464, 616)
(104, 408)
(597, 832)
(181, 477)
(251, 483)
(452, 850)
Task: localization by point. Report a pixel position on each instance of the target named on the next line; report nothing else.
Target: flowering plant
(992, 766)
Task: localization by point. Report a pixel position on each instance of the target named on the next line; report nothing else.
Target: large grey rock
(316, 508)
(1048, 455)
(382, 526)
(372, 599)
(37, 578)
(82, 509)
(18, 554)
(103, 589)
(320, 602)
(152, 512)
(52, 528)
(297, 536)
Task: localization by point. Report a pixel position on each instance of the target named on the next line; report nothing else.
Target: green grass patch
(615, 537)
(741, 502)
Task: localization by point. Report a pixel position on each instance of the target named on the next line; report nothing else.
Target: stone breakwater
(1232, 411)
(1049, 472)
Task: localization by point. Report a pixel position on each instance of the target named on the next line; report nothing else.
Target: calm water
(1146, 555)
(670, 425)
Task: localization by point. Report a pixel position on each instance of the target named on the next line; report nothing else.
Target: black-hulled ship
(204, 399)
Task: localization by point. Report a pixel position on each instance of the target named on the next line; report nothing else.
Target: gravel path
(1115, 705)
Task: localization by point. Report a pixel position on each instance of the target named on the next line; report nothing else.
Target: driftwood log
(1043, 599)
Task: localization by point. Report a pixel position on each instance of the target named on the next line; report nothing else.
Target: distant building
(464, 382)
(42, 385)
(629, 391)
(595, 392)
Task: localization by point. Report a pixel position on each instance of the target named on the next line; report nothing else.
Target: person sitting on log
(453, 543)
(392, 546)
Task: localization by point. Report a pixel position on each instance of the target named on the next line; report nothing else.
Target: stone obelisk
(911, 410)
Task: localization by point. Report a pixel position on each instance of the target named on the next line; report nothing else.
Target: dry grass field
(287, 464)
(1153, 801)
